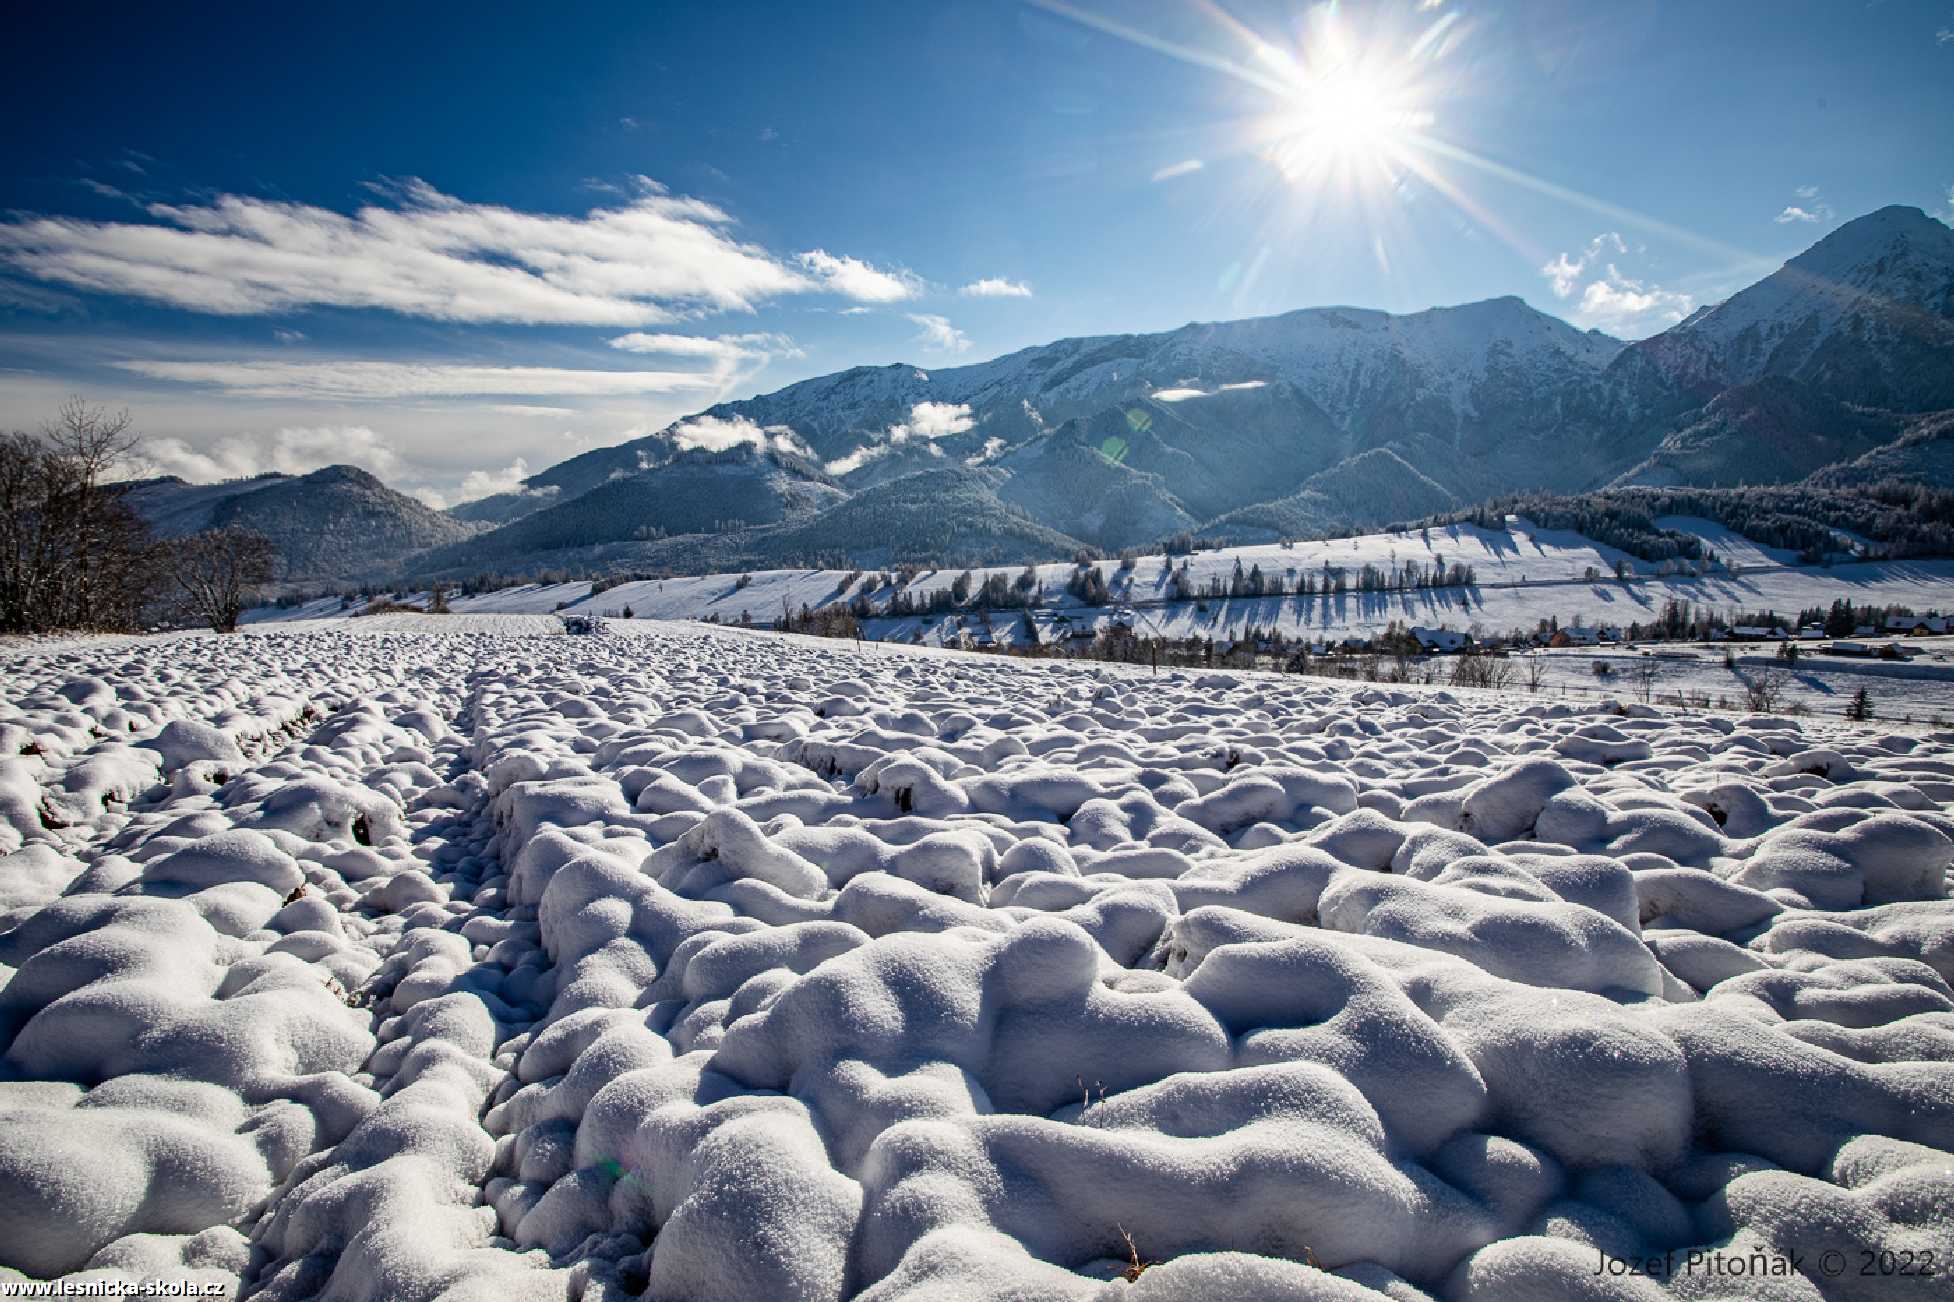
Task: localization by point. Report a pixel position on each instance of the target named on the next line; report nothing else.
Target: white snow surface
(355, 962)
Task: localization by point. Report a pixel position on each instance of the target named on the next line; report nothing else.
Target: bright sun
(1343, 120)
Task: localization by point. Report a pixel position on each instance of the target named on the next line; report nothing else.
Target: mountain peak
(1895, 230)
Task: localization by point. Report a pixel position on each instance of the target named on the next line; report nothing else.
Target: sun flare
(1347, 118)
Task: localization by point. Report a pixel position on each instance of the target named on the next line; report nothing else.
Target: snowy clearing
(355, 961)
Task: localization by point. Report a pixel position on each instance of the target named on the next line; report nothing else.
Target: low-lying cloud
(291, 451)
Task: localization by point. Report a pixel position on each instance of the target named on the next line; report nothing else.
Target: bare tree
(1764, 689)
(217, 571)
(72, 552)
(1536, 671)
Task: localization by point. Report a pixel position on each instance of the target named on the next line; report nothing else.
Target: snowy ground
(1524, 575)
(1918, 691)
(352, 961)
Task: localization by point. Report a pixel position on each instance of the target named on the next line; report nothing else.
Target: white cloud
(479, 484)
(856, 311)
(1620, 305)
(1244, 384)
(995, 287)
(717, 434)
(289, 336)
(938, 333)
(853, 278)
(358, 381)
(1948, 216)
(928, 421)
(933, 420)
(855, 460)
(1177, 395)
(1945, 36)
(1181, 168)
(1566, 270)
(719, 348)
(1810, 208)
(293, 451)
(992, 446)
(650, 259)
(531, 409)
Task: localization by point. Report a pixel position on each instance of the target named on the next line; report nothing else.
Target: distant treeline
(1901, 519)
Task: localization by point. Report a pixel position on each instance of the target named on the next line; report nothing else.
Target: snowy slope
(683, 964)
(1866, 315)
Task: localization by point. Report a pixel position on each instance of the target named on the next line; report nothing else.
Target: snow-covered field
(356, 961)
(1524, 574)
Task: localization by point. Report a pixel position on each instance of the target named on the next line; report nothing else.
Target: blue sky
(459, 242)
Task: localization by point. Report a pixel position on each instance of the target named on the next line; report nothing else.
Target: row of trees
(74, 555)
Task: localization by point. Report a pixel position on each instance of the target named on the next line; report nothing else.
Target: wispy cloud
(1945, 36)
(1809, 208)
(651, 259)
(996, 287)
(1181, 168)
(719, 348)
(1565, 271)
(856, 279)
(285, 336)
(939, 334)
(364, 380)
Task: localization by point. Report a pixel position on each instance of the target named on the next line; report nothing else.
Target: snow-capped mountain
(1301, 423)
(1866, 315)
(335, 521)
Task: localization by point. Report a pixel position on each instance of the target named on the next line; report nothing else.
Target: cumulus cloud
(292, 451)
(938, 333)
(995, 287)
(1565, 271)
(1619, 305)
(718, 434)
(933, 420)
(853, 278)
(360, 380)
(992, 446)
(653, 258)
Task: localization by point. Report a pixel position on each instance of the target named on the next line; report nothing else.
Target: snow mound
(690, 964)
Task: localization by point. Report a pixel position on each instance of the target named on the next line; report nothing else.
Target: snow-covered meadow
(361, 962)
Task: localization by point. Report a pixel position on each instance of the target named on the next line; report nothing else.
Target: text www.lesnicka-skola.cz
(112, 1288)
